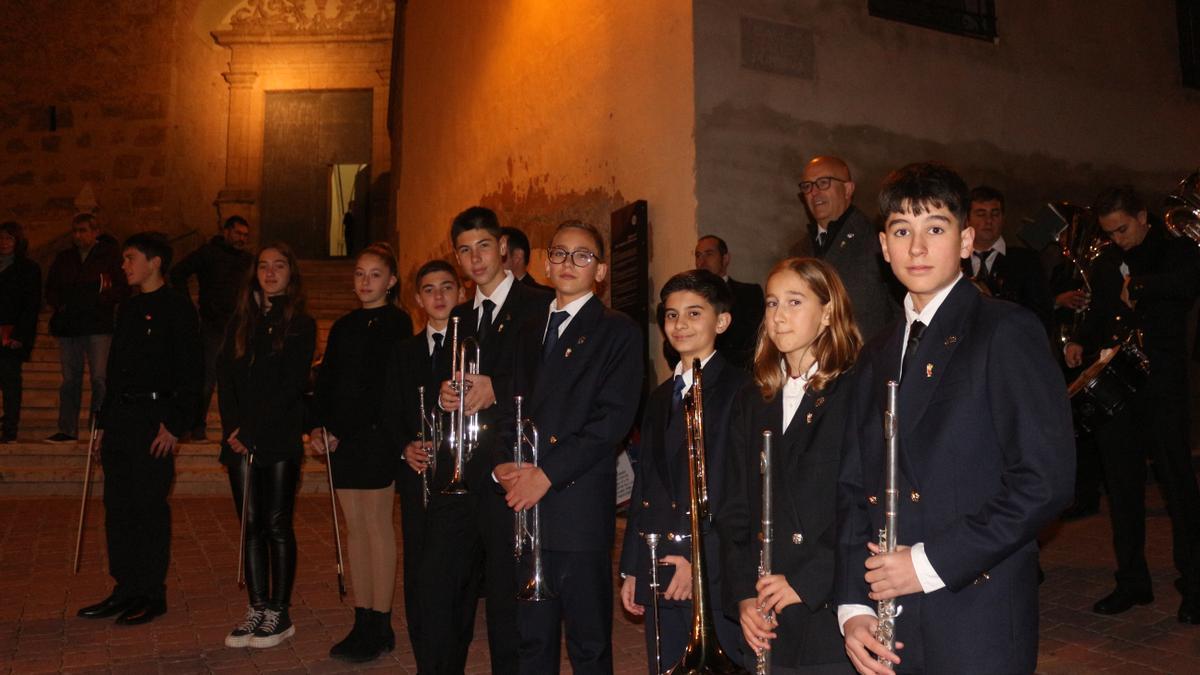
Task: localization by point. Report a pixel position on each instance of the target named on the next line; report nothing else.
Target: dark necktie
(438, 340)
(677, 397)
(983, 268)
(548, 342)
(821, 240)
(485, 317)
(910, 350)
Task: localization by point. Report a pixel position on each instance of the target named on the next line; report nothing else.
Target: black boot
(377, 639)
(350, 642)
(387, 636)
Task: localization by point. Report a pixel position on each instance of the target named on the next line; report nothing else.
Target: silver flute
(762, 664)
(885, 632)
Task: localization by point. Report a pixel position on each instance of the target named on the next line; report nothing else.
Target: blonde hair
(835, 347)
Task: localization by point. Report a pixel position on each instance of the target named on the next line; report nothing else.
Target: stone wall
(120, 96)
(1073, 96)
(545, 111)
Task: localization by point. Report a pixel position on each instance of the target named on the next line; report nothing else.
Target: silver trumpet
(527, 524)
(464, 432)
(652, 539)
(887, 610)
(429, 431)
(762, 664)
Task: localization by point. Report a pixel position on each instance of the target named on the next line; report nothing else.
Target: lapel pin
(819, 402)
(951, 340)
(843, 244)
(500, 328)
(582, 339)
(567, 353)
(808, 418)
(270, 330)
(149, 318)
(928, 370)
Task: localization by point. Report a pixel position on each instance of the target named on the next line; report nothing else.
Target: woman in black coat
(349, 408)
(262, 377)
(20, 299)
(807, 344)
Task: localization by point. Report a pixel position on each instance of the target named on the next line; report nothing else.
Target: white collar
(499, 294)
(999, 246)
(688, 377)
(792, 383)
(926, 314)
(572, 307)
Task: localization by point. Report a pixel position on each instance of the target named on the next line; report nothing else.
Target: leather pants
(270, 539)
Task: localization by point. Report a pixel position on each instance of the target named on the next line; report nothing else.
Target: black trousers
(675, 627)
(137, 517)
(213, 339)
(270, 555)
(582, 584)
(412, 537)
(1154, 425)
(10, 389)
(468, 541)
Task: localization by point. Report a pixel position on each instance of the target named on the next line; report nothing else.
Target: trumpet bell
(536, 590)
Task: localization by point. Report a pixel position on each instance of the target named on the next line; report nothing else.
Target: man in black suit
(580, 372)
(696, 314)
(1008, 272)
(986, 454)
(843, 236)
(413, 365)
(517, 258)
(736, 343)
(464, 531)
(1150, 277)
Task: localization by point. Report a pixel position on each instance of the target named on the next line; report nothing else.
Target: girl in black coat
(349, 410)
(807, 343)
(263, 375)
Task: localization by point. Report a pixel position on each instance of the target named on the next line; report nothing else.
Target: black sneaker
(60, 437)
(274, 628)
(240, 637)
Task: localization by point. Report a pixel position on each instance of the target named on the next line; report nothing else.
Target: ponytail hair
(383, 251)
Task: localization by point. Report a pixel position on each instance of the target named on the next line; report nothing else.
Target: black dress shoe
(110, 606)
(144, 610)
(1189, 610)
(1080, 510)
(1122, 600)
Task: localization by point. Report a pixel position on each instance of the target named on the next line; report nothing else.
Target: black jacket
(738, 342)
(261, 393)
(221, 270)
(1017, 276)
(804, 535)
(73, 290)
(409, 367)
(20, 300)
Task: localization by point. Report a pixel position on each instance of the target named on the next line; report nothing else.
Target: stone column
(237, 197)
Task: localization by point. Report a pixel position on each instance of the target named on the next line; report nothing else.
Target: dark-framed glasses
(581, 257)
(822, 183)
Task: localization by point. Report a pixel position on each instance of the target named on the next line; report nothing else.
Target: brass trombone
(703, 654)
(464, 436)
(527, 524)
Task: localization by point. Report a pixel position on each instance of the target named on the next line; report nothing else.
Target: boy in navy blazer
(580, 371)
(697, 310)
(986, 454)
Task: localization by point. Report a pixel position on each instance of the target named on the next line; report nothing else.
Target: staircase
(31, 466)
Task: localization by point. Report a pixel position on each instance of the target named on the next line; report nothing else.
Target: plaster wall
(545, 111)
(1075, 95)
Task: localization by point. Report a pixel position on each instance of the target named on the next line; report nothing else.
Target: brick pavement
(39, 596)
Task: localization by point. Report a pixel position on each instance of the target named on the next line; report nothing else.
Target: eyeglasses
(822, 183)
(581, 257)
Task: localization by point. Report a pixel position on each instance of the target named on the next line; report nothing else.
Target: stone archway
(300, 46)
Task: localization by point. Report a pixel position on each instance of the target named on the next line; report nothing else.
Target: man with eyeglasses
(1148, 280)
(842, 235)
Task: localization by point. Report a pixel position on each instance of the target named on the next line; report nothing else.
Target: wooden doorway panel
(305, 132)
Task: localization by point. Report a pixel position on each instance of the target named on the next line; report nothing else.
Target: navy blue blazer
(661, 488)
(583, 399)
(987, 458)
(805, 462)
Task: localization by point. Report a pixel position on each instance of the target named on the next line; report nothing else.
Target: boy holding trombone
(697, 304)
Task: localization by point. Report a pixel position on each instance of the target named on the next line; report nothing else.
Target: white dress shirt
(430, 331)
(498, 296)
(572, 308)
(793, 391)
(688, 378)
(998, 249)
(926, 575)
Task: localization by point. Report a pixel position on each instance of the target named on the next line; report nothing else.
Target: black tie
(677, 397)
(983, 268)
(556, 320)
(485, 317)
(910, 350)
(821, 241)
(438, 339)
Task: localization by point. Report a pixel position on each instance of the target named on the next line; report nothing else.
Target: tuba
(527, 524)
(1080, 242)
(1183, 209)
(703, 654)
(464, 429)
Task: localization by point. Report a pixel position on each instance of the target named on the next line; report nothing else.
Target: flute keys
(797, 538)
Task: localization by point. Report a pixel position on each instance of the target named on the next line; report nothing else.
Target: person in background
(736, 343)
(83, 287)
(220, 266)
(516, 259)
(20, 299)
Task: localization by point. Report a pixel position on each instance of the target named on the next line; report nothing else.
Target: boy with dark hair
(154, 380)
(578, 365)
(1009, 272)
(696, 311)
(986, 454)
(413, 365)
(464, 531)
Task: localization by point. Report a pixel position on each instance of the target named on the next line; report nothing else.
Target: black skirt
(365, 461)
